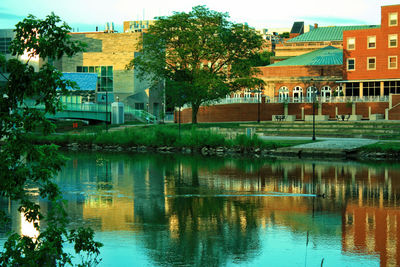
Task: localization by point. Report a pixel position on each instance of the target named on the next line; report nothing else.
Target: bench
(343, 117)
(280, 117)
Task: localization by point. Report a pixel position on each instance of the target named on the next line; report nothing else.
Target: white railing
(319, 99)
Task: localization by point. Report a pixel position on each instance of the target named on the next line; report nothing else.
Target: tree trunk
(195, 109)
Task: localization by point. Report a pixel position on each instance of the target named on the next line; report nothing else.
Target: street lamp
(258, 91)
(314, 95)
(106, 109)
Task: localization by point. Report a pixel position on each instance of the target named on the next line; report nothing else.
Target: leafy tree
(284, 35)
(261, 59)
(25, 165)
(202, 56)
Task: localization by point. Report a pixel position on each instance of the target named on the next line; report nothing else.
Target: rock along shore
(292, 152)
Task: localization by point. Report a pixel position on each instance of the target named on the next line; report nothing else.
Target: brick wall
(330, 109)
(395, 100)
(300, 71)
(381, 52)
(394, 113)
(232, 112)
(376, 108)
(248, 112)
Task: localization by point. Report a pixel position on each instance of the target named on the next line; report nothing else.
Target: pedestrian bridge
(94, 112)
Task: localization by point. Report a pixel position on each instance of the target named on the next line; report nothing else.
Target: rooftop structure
(137, 25)
(326, 56)
(332, 33)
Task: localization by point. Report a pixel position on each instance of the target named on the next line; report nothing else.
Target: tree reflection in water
(191, 210)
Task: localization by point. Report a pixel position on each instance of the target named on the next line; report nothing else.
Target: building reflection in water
(210, 209)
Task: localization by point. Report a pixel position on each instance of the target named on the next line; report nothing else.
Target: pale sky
(87, 14)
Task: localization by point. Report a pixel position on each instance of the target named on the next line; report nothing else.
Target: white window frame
(389, 67)
(299, 91)
(368, 66)
(348, 43)
(396, 19)
(283, 93)
(347, 63)
(369, 42)
(390, 39)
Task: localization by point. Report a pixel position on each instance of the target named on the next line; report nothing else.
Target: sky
(85, 15)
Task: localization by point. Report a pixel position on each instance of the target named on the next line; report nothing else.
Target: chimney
(97, 28)
(315, 25)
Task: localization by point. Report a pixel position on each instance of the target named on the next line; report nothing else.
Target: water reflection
(180, 210)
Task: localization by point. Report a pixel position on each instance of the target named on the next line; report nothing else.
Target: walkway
(326, 142)
(326, 147)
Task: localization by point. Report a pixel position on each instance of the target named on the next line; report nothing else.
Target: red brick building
(371, 57)
(361, 79)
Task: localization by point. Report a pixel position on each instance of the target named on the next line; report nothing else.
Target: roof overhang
(375, 80)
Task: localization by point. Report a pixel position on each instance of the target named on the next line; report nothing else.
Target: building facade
(371, 57)
(107, 54)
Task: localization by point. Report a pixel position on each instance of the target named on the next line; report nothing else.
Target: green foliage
(24, 164)
(198, 139)
(200, 54)
(261, 59)
(383, 147)
(284, 35)
(248, 142)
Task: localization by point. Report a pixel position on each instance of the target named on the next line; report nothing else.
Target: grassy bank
(382, 147)
(163, 135)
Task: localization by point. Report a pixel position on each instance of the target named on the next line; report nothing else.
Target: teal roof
(334, 33)
(325, 56)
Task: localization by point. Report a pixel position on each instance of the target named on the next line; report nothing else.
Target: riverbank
(207, 141)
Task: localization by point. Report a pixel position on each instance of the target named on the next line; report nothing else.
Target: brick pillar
(344, 89)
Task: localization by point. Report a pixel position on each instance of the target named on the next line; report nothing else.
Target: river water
(176, 210)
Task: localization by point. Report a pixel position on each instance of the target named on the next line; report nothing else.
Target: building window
(104, 76)
(326, 92)
(393, 19)
(5, 45)
(310, 93)
(371, 88)
(371, 63)
(392, 87)
(392, 62)
(351, 43)
(351, 64)
(297, 94)
(392, 40)
(283, 94)
(352, 89)
(371, 42)
(139, 106)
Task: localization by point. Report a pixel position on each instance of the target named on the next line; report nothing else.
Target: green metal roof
(325, 56)
(334, 33)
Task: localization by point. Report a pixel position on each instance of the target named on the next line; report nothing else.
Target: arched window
(297, 94)
(247, 94)
(338, 91)
(310, 93)
(236, 95)
(326, 93)
(283, 94)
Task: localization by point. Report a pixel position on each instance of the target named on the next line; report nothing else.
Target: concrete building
(107, 54)
(137, 25)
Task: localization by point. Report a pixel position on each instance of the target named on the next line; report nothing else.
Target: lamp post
(258, 91)
(106, 109)
(313, 107)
